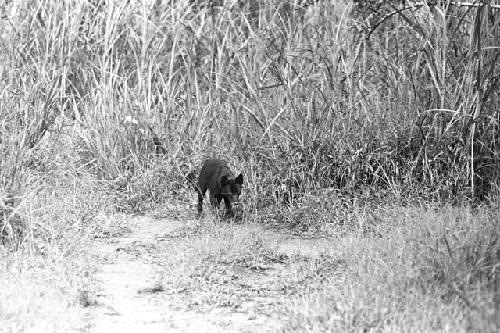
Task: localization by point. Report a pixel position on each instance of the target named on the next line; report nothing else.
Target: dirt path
(240, 294)
(130, 296)
(125, 299)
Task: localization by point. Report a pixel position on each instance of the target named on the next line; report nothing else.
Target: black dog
(216, 176)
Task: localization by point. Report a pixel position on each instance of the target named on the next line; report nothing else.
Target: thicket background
(380, 96)
(373, 98)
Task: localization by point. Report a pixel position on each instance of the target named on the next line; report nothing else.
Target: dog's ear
(223, 181)
(239, 179)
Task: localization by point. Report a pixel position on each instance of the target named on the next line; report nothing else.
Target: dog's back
(211, 173)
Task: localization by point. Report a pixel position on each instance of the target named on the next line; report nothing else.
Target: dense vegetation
(331, 109)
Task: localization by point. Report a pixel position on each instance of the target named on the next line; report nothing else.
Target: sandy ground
(130, 295)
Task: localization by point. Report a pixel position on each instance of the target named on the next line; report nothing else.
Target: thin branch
(416, 5)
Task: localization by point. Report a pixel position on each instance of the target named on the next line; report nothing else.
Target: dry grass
(45, 267)
(423, 270)
(361, 121)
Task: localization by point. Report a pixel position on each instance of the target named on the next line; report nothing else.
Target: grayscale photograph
(249, 166)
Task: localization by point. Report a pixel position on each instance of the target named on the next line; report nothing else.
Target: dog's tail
(191, 178)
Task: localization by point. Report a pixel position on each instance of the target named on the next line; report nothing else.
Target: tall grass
(365, 97)
(330, 94)
(346, 94)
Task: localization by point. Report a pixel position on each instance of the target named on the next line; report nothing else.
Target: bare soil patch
(142, 285)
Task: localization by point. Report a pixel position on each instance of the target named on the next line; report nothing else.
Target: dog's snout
(235, 200)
